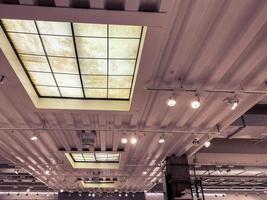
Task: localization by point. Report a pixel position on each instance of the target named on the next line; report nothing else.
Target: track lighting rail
(194, 90)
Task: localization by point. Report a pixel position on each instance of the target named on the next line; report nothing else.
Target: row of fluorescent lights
(195, 104)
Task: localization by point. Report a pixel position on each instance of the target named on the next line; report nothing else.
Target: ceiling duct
(87, 138)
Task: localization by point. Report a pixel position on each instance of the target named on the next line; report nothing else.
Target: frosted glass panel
(119, 93)
(95, 93)
(64, 65)
(27, 43)
(95, 81)
(13, 25)
(123, 48)
(54, 28)
(120, 81)
(71, 92)
(48, 91)
(68, 80)
(76, 60)
(125, 31)
(35, 63)
(92, 47)
(42, 78)
(96, 30)
(121, 67)
(58, 46)
(93, 66)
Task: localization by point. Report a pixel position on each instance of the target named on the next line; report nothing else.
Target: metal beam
(83, 15)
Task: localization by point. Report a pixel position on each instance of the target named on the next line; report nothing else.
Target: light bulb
(161, 140)
(93, 194)
(195, 104)
(124, 140)
(171, 102)
(34, 138)
(133, 140)
(234, 105)
(61, 190)
(207, 144)
(145, 191)
(144, 172)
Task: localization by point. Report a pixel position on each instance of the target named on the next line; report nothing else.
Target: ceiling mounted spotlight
(234, 104)
(34, 138)
(133, 140)
(124, 140)
(145, 191)
(195, 104)
(16, 171)
(28, 190)
(161, 140)
(126, 194)
(232, 101)
(47, 172)
(61, 190)
(144, 172)
(207, 144)
(171, 101)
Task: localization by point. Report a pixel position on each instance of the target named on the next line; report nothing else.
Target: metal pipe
(194, 90)
(203, 132)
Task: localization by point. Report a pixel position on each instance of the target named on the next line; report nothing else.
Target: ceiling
(192, 44)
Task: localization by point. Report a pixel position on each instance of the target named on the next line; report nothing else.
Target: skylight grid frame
(78, 58)
(75, 160)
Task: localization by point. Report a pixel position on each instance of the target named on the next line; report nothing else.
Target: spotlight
(16, 171)
(47, 172)
(61, 190)
(144, 172)
(89, 194)
(126, 194)
(145, 191)
(171, 102)
(133, 140)
(207, 144)
(124, 140)
(234, 105)
(93, 195)
(119, 194)
(34, 138)
(195, 104)
(28, 190)
(161, 140)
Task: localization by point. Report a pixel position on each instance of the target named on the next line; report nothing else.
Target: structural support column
(177, 179)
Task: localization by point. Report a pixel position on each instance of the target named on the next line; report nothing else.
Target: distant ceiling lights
(145, 191)
(171, 101)
(61, 190)
(207, 144)
(28, 190)
(133, 140)
(126, 194)
(232, 101)
(47, 172)
(124, 140)
(161, 140)
(34, 138)
(16, 171)
(144, 172)
(195, 104)
(93, 195)
(234, 105)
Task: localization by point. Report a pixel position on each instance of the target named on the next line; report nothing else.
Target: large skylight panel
(76, 60)
(97, 157)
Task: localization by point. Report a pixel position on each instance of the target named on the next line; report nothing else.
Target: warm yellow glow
(103, 65)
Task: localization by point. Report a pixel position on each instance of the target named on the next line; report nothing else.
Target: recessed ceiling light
(171, 102)
(207, 144)
(133, 140)
(124, 140)
(34, 138)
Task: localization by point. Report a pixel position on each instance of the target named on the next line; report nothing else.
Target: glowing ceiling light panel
(97, 157)
(76, 60)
